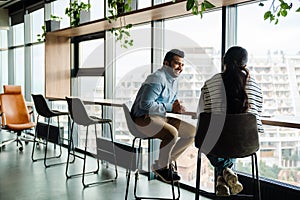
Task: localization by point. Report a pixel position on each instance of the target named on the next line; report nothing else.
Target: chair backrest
(78, 112)
(227, 135)
(41, 105)
(13, 106)
(130, 123)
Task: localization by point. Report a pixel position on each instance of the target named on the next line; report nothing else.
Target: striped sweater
(213, 98)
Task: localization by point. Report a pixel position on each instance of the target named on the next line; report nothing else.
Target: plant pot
(85, 16)
(120, 8)
(52, 25)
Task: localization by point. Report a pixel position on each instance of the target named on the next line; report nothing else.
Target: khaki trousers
(175, 135)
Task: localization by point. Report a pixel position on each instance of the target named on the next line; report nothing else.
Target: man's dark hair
(174, 52)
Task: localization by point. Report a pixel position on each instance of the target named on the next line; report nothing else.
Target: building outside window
(274, 61)
(202, 46)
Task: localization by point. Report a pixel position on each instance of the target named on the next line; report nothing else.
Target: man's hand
(177, 107)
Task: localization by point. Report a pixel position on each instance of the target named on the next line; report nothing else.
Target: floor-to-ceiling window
(274, 61)
(18, 55)
(201, 43)
(37, 53)
(88, 80)
(3, 58)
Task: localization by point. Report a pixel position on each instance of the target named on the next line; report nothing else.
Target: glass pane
(63, 120)
(37, 21)
(202, 60)
(275, 64)
(97, 9)
(90, 88)
(38, 69)
(132, 67)
(156, 2)
(3, 39)
(144, 3)
(59, 7)
(18, 33)
(3, 68)
(91, 54)
(19, 67)
(3, 58)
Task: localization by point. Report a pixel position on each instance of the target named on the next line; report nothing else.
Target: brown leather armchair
(14, 113)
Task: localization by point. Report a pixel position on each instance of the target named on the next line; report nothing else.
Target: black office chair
(228, 136)
(80, 117)
(45, 131)
(138, 135)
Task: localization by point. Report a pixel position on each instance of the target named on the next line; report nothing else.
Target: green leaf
(127, 33)
(283, 13)
(195, 10)
(203, 7)
(261, 4)
(190, 4)
(284, 6)
(208, 5)
(267, 15)
(298, 10)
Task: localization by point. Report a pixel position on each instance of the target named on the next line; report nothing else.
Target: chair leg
(137, 169)
(45, 158)
(256, 180)
(75, 155)
(115, 157)
(70, 146)
(84, 158)
(130, 168)
(34, 142)
(103, 181)
(137, 175)
(18, 140)
(198, 176)
(46, 148)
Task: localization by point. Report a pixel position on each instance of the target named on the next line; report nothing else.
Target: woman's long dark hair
(235, 77)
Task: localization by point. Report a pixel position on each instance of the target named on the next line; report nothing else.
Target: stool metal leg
(75, 155)
(256, 179)
(129, 170)
(198, 176)
(137, 174)
(45, 158)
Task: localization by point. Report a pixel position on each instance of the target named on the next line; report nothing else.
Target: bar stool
(228, 136)
(79, 116)
(139, 136)
(43, 110)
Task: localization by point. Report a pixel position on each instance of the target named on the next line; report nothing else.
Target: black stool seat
(140, 136)
(228, 136)
(80, 116)
(43, 110)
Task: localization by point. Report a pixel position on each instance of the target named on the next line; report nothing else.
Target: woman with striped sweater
(232, 91)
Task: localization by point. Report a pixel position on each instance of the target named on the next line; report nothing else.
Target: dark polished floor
(22, 179)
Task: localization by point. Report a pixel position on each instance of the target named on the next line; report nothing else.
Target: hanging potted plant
(50, 25)
(74, 12)
(53, 24)
(122, 33)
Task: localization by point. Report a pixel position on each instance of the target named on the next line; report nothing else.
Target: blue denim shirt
(156, 95)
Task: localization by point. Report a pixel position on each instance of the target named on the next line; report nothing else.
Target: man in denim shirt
(156, 97)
